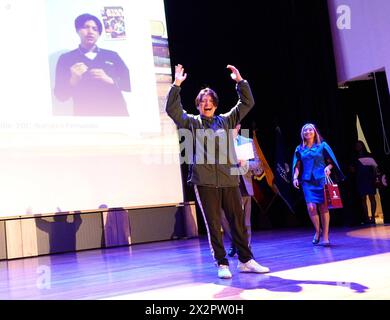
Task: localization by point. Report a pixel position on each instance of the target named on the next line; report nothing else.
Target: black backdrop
(369, 100)
(284, 49)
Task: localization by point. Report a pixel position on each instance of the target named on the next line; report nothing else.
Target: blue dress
(311, 163)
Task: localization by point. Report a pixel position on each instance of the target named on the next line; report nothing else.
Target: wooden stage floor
(354, 267)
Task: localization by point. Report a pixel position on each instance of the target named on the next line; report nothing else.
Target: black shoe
(316, 240)
(232, 252)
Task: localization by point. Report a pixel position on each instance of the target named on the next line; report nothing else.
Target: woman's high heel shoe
(316, 240)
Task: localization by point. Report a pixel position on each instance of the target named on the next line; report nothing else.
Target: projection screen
(108, 144)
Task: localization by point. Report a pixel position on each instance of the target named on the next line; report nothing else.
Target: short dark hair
(80, 21)
(207, 92)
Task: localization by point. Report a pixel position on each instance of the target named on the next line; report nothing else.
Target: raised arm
(236, 76)
(173, 105)
(245, 98)
(180, 76)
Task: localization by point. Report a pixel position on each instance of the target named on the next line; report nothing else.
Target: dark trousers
(211, 200)
(247, 204)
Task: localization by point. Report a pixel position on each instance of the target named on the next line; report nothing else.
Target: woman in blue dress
(313, 161)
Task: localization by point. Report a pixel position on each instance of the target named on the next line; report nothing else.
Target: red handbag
(332, 194)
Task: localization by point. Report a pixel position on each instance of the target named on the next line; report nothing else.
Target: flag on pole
(269, 175)
(282, 170)
(265, 192)
(278, 179)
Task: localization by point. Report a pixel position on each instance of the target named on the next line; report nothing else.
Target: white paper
(244, 151)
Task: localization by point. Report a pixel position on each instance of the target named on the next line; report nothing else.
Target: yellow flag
(269, 175)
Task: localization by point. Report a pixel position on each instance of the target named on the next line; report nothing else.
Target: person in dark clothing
(251, 167)
(215, 181)
(93, 77)
(365, 168)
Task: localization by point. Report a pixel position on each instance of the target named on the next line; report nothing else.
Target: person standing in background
(250, 167)
(365, 168)
(93, 77)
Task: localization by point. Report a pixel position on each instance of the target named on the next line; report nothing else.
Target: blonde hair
(317, 136)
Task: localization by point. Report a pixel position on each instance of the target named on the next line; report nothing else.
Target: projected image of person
(93, 77)
(216, 184)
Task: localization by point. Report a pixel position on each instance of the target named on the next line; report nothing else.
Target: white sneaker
(224, 272)
(251, 266)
